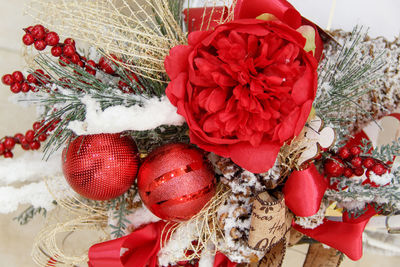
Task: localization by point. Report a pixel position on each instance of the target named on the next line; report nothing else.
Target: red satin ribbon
(344, 236)
(143, 246)
(304, 191)
(222, 261)
(279, 8)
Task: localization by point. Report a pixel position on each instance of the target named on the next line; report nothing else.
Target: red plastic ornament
(101, 166)
(175, 182)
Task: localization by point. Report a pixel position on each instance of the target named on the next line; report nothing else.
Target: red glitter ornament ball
(175, 182)
(101, 166)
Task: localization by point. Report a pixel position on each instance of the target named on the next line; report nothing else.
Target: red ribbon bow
(142, 247)
(303, 194)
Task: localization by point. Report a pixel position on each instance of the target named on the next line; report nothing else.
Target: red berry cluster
(40, 37)
(30, 141)
(66, 51)
(18, 83)
(348, 162)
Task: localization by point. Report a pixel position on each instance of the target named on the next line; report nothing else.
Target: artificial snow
(29, 168)
(180, 240)
(142, 216)
(153, 113)
(35, 194)
(383, 179)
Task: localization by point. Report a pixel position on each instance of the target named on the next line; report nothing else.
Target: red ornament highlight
(101, 166)
(175, 182)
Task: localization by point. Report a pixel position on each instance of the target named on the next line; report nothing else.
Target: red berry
(91, 63)
(56, 51)
(28, 39)
(25, 87)
(334, 167)
(42, 137)
(52, 38)
(64, 61)
(356, 162)
(348, 172)
(25, 147)
(359, 171)
(29, 29)
(75, 58)
(18, 76)
(16, 88)
(40, 45)
(8, 79)
(344, 153)
(8, 154)
(81, 64)
(32, 79)
(39, 71)
(368, 163)
(34, 145)
(9, 143)
(23, 141)
(355, 150)
(69, 41)
(30, 135)
(104, 64)
(2, 148)
(91, 71)
(34, 89)
(18, 137)
(38, 32)
(36, 126)
(378, 169)
(69, 50)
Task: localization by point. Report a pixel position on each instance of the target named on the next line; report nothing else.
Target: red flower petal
(255, 159)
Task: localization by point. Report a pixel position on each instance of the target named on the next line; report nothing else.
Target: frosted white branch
(35, 194)
(153, 113)
(29, 168)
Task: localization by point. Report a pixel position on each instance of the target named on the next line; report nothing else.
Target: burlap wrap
(318, 256)
(269, 230)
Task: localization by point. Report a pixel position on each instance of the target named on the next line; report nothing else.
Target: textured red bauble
(101, 166)
(175, 182)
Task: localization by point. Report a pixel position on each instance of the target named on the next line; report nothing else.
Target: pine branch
(63, 96)
(27, 215)
(121, 207)
(384, 153)
(147, 140)
(342, 83)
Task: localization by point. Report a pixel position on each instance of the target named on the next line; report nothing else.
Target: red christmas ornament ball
(175, 182)
(101, 166)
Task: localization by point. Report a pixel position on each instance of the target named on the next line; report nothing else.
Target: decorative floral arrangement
(213, 136)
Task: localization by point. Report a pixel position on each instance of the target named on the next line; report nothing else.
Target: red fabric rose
(244, 89)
